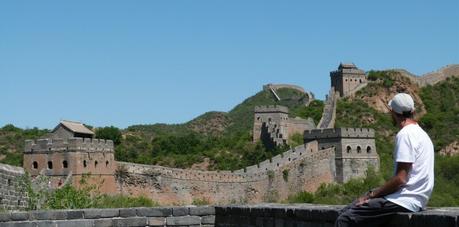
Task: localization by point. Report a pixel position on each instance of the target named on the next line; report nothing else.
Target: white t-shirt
(413, 145)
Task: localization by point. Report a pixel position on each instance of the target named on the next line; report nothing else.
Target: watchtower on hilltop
(347, 79)
(355, 149)
(64, 154)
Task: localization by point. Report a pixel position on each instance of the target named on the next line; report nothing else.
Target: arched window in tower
(50, 165)
(348, 149)
(35, 165)
(65, 164)
(106, 163)
(360, 80)
(95, 164)
(258, 118)
(359, 149)
(85, 164)
(368, 149)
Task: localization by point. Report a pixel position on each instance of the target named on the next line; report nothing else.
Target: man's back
(413, 145)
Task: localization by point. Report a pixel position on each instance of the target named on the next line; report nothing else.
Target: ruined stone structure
(74, 156)
(347, 79)
(355, 149)
(13, 195)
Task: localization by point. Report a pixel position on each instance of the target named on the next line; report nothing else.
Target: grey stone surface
(49, 215)
(127, 212)
(200, 211)
(180, 211)
(185, 220)
(156, 221)
(105, 222)
(132, 221)
(101, 213)
(247, 215)
(19, 216)
(210, 219)
(154, 212)
(74, 223)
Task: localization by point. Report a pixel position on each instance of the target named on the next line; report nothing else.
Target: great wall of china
(328, 155)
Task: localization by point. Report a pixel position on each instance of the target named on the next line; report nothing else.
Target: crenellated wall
(77, 157)
(303, 168)
(13, 195)
(355, 149)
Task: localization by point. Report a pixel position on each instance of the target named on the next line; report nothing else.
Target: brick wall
(12, 197)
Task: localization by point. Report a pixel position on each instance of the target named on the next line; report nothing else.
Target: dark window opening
(35, 165)
(348, 149)
(9, 182)
(65, 164)
(359, 149)
(106, 163)
(95, 164)
(368, 149)
(85, 164)
(50, 165)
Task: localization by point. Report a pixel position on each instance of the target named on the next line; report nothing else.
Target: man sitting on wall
(411, 186)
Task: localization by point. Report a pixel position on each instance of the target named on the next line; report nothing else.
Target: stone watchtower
(355, 149)
(273, 126)
(270, 125)
(65, 154)
(347, 79)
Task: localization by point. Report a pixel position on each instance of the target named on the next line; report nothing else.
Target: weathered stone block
(156, 221)
(180, 211)
(210, 219)
(5, 217)
(75, 214)
(154, 212)
(18, 224)
(105, 222)
(185, 220)
(44, 223)
(74, 223)
(200, 211)
(19, 216)
(133, 221)
(48, 215)
(101, 213)
(128, 212)
(438, 219)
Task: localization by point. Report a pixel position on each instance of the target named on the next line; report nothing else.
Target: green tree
(109, 133)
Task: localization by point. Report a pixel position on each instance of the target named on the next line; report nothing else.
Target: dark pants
(376, 212)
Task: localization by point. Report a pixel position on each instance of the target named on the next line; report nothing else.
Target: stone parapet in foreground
(307, 215)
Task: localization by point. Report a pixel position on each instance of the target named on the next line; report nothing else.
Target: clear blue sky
(141, 62)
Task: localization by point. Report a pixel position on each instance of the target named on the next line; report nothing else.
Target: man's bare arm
(392, 185)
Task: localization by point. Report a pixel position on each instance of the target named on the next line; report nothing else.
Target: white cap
(402, 102)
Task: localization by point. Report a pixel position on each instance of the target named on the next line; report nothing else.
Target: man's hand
(362, 200)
